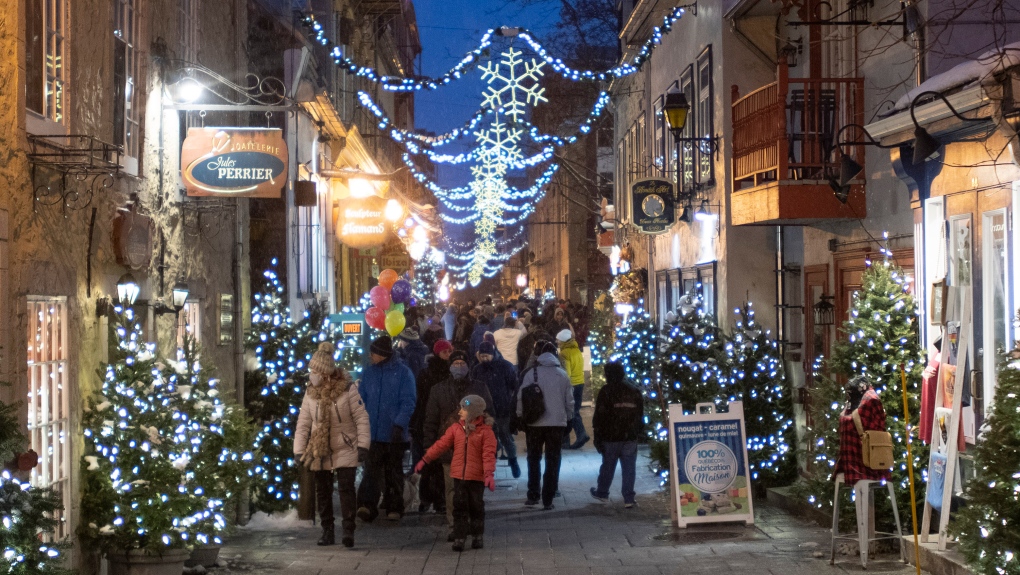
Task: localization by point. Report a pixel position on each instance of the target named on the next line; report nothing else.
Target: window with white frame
(189, 322)
(187, 25)
(49, 386)
(127, 77)
(705, 118)
(46, 26)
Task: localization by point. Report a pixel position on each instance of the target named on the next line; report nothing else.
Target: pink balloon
(380, 297)
(376, 317)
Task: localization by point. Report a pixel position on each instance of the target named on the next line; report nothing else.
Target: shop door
(816, 344)
(850, 267)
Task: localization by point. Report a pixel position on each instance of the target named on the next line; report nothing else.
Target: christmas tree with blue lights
(694, 356)
(602, 339)
(636, 347)
(276, 375)
(880, 335)
(426, 280)
(989, 525)
(29, 515)
(140, 489)
(753, 373)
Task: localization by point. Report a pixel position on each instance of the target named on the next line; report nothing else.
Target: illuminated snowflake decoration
(513, 90)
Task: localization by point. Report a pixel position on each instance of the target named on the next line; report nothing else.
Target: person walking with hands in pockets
(473, 468)
(332, 438)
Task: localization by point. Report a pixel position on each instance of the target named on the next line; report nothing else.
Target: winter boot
(328, 538)
(348, 539)
(515, 469)
(477, 542)
(458, 545)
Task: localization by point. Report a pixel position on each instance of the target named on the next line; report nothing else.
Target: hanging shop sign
(361, 222)
(653, 205)
(234, 162)
(708, 456)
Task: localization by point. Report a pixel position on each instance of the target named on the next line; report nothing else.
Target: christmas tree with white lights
(426, 279)
(27, 513)
(989, 525)
(602, 339)
(880, 335)
(753, 374)
(276, 375)
(636, 347)
(692, 359)
(140, 489)
(221, 439)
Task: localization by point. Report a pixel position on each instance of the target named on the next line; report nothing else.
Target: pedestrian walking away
(431, 487)
(500, 377)
(332, 437)
(411, 350)
(388, 390)
(617, 425)
(544, 434)
(573, 364)
(474, 468)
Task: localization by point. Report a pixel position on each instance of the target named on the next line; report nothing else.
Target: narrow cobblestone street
(579, 537)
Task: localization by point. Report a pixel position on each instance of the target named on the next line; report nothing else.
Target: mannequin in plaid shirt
(862, 397)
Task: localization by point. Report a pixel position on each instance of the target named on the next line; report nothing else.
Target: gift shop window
(189, 322)
(48, 389)
(46, 24)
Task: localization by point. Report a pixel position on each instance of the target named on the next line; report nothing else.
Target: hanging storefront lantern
(825, 312)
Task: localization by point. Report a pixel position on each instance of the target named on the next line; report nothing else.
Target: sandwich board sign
(708, 460)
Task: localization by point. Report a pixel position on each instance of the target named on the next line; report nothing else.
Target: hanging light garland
(471, 59)
(488, 206)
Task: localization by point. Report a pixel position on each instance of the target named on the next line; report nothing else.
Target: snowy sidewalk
(580, 536)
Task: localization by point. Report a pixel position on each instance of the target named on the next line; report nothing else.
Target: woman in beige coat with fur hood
(332, 436)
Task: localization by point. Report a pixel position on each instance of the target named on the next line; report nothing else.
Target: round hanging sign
(361, 222)
(237, 162)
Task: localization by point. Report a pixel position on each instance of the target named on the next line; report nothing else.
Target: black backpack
(532, 401)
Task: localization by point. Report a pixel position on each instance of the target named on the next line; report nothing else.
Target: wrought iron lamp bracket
(83, 166)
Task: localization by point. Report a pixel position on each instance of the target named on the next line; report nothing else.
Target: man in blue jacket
(387, 388)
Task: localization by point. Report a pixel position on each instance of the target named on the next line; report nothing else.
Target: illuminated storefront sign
(361, 223)
(235, 162)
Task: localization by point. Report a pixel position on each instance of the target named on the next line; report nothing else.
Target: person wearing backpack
(617, 424)
(545, 403)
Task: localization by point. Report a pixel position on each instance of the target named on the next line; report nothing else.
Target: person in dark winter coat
(434, 331)
(474, 468)
(412, 350)
(617, 424)
(388, 390)
(500, 376)
(442, 410)
(431, 487)
(478, 335)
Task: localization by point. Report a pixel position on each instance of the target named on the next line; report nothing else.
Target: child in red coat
(473, 468)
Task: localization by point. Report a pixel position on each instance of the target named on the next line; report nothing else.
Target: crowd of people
(455, 387)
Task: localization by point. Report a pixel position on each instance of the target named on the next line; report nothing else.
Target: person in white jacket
(507, 338)
(332, 437)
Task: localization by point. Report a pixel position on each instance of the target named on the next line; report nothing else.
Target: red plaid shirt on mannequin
(851, 459)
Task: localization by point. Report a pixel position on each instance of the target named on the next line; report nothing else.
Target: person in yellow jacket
(573, 364)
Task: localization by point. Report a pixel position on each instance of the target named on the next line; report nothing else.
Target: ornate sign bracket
(83, 165)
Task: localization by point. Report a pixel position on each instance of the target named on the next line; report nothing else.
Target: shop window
(995, 305)
(705, 120)
(49, 386)
(127, 77)
(187, 24)
(685, 162)
(706, 277)
(189, 322)
(46, 26)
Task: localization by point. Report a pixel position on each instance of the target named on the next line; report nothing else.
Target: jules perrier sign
(652, 199)
(236, 162)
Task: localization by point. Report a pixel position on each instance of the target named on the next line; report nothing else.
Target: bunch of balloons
(389, 300)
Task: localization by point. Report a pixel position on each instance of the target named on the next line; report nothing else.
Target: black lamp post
(127, 290)
(179, 295)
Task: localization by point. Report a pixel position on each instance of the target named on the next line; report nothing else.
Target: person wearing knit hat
(473, 442)
(500, 377)
(412, 350)
(442, 409)
(322, 362)
(573, 363)
(332, 437)
(431, 486)
(388, 389)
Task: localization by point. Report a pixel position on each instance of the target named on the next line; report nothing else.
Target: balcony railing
(785, 131)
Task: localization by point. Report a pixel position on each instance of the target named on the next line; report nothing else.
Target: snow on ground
(280, 521)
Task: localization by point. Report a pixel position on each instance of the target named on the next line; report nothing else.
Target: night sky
(449, 29)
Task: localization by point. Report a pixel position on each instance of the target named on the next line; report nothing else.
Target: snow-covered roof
(965, 74)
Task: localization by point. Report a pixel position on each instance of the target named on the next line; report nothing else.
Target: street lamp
(522, 280)
(127, 290)
(178, 296)
(676, 109)
(393, 211)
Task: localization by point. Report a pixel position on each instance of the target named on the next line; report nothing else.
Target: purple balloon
(401, 291)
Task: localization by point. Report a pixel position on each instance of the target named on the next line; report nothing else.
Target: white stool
(864, 502)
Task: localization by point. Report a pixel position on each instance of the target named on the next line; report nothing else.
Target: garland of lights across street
(484, 219)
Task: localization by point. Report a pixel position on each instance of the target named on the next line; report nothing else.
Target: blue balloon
(401, 291)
